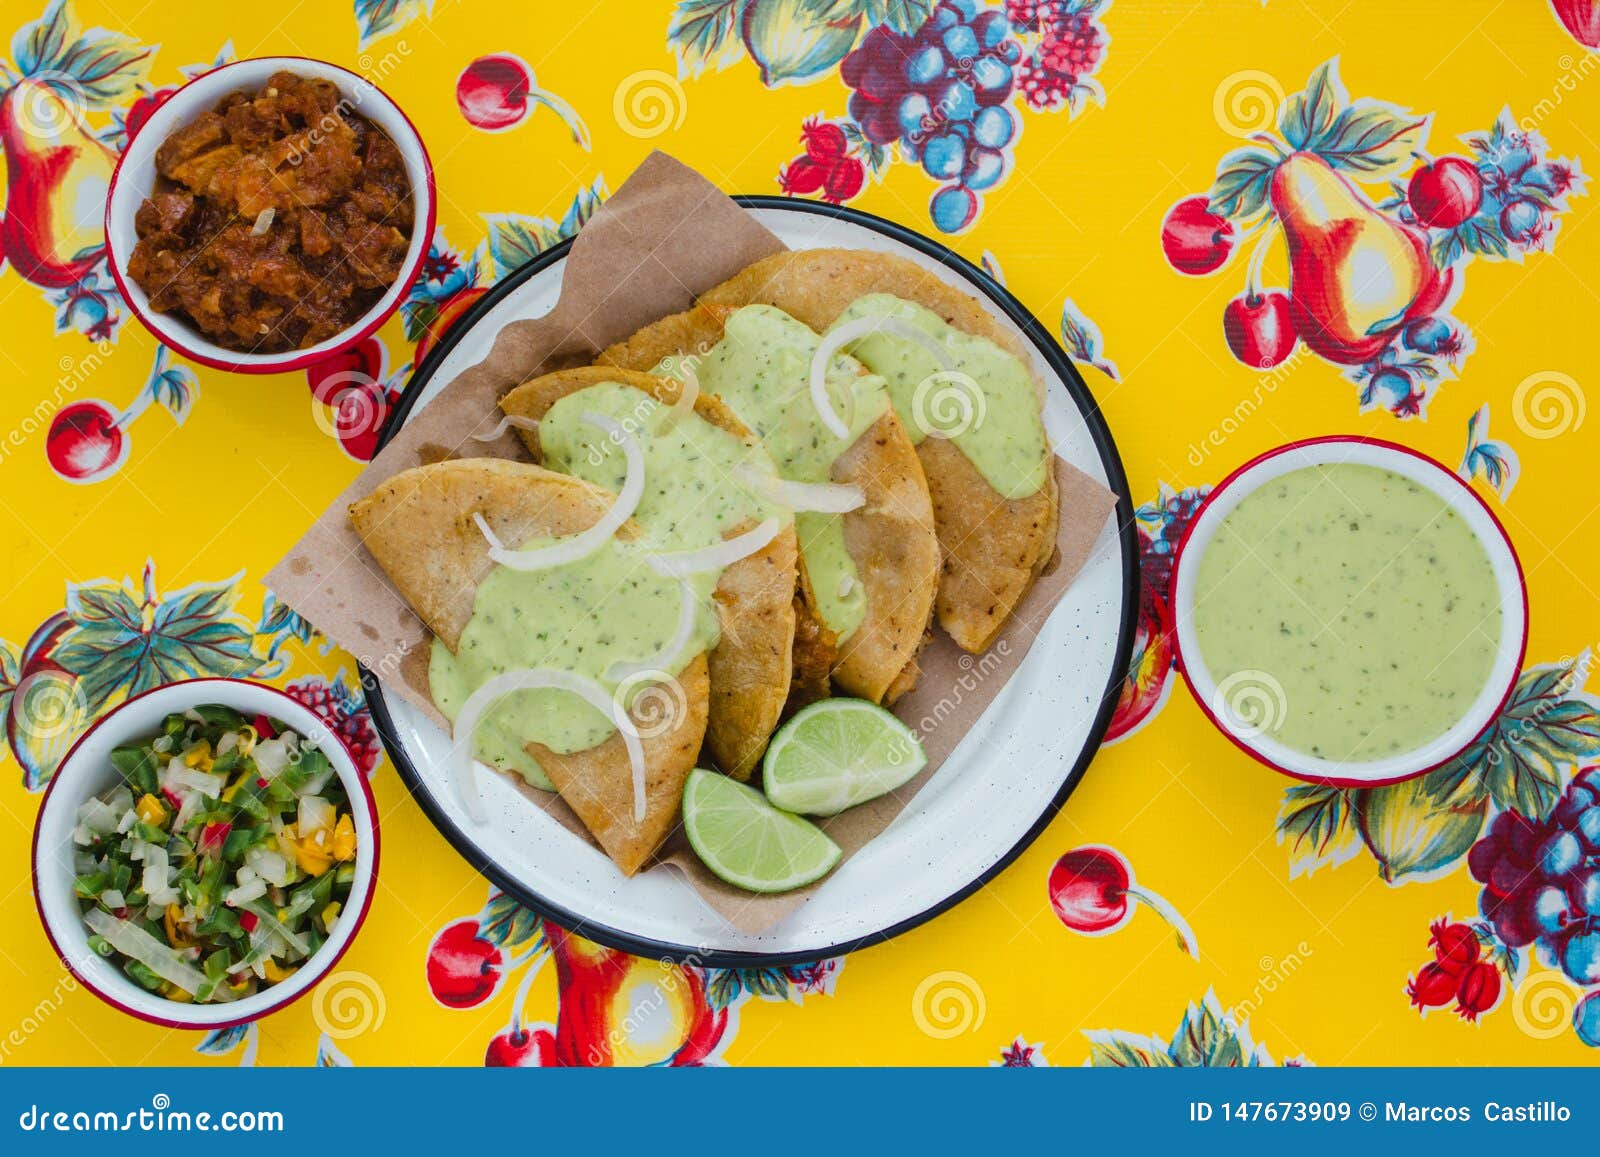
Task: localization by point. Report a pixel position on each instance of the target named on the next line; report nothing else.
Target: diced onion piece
(718, 556)
(271, 923)
(112, 898)
(271, 756)
(201, 781)
(245, 892)
(853, 331)
(666, 658)
(688, 393)
(97, 816)
(263, 221)
(510, 421)
(585, 543)
(229, 740)
(537, 679)
(133, 941)
(316, 815)
(269, 865)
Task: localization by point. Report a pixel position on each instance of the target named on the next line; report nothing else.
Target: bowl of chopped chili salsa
(272, 213)
(205, 854)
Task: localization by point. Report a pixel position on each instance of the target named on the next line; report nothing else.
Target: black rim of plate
(1110, 460)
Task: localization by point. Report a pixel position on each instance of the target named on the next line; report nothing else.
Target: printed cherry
(359, 416)
(802, 176)
(1454, 945)
(86, 442)
(1196, 240)
(1092, 891)
(361, 364)
(521, 1048)
(843, 181)
(463, 968)
(1434, 986)
(492, 92)
(1446, 192)
(824, 141)
(1259, 328)
(144, 108)
(1479, 991)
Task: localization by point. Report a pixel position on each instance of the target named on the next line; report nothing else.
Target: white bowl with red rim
(87, 771)
(1457, 495)
(135, 178)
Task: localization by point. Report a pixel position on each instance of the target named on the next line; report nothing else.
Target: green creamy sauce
(762, 369)
(700, 483)
(1367, 599)
(984, 402)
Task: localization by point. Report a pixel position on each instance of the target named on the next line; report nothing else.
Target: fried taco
(868, 573)
(545, 607)
(963, 389)
(707, 479)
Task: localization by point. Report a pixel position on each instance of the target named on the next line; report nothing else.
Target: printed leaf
(1371, 138)
(703, 34)
(95, 67)
(1311, 114)
(1082, 340)
(516, 239)
(10, 673)
(903, 16)
(220, 1042)
(1547, 728)
(1203, 1041)
(723, 987)
(991, 266)
(174, 388)
(1496, 461)
(329, 1055)
(507, 924)
(377, 18)
(280, 623)
(1123, 1050)
(1243, 179)
(1317, 823)
(191, 632)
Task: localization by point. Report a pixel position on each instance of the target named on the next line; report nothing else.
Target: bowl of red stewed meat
(270, 214)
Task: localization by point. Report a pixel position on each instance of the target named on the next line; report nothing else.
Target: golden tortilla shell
(751, 665)
(891, 538)
(994, 547)
(598, 783)
(419, 527)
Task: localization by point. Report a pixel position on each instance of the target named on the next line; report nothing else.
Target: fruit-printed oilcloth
(1248, 223)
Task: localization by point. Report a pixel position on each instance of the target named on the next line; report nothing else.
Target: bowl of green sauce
(1347, 610)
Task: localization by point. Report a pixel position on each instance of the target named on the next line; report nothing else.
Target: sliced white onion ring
(537, 679)
(683, 563)
(506, 423)
(688, 393)
(585, 543)
(806, 497)
(853, 331)
(665, 659)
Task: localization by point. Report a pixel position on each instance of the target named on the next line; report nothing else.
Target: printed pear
(1356, 275)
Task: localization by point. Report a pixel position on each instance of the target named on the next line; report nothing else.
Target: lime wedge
(837, 753)
(748, 842)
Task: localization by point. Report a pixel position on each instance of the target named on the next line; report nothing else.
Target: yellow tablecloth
(142, 498)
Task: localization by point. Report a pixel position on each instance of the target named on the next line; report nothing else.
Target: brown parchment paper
(666, 236)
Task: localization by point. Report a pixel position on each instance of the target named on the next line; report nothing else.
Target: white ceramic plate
(996, 791)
